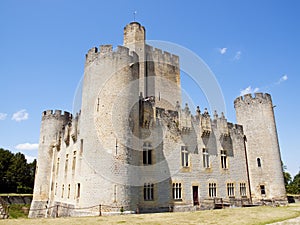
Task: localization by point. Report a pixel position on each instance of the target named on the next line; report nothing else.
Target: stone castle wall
(51, 128)
(131, 97)
(257, 117)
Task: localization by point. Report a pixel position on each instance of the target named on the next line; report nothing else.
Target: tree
(16, 175)
(32, 168)
(292, 186)
(5, 157)
(287, 178)
(295, 184)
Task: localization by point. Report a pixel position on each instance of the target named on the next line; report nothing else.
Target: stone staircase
(3, 209)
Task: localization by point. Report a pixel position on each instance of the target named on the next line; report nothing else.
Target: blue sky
(251, 45)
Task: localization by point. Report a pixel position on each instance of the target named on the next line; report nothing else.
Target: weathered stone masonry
(131, 146)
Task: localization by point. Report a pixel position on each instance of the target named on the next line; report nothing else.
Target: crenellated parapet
(207, 124)
(107, 51)
(56, 114)
(248, 99)
(66, 126)
(236, 129)
(157, 55)
(185, 121)
(133, 33)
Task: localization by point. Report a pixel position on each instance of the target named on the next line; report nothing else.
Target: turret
(134, 32)
(49, 144)
(265, 170)
(134, 39)
(159, 73)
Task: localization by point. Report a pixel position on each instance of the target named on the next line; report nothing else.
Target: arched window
(258, 162)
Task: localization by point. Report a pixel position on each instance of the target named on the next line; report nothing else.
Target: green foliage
(287, 178)
(18, 211)
(292, 186)
(16, 175)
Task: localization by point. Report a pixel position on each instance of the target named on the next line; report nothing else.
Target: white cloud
(282, 79)
(20, 115)
(249, 90)
(237, 55)
(27, 146)
(30, 158)
(285, 77)
(3, 116)
(223, 50)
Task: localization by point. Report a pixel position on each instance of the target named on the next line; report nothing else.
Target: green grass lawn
(253, 215)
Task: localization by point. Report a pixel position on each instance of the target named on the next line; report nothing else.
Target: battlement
(133, 33)
(157, 55)
(57, 114)
(237, 127)
(108, 51)
(249, 98)
(105, 49)
(134, 25)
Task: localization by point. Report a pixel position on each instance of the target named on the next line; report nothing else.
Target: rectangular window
(147, 153)
(81, 146)
(262, 190)
(212, 190)
(62, 191)
(66, 165)
(57, 167)
(55, 192)
(177, 191)
(230, 189)
(223, 159)
(205, 158)
(69, 190)
(78, 190)
(243, 191)
(184, 156)
(115, 193)
(74, 161)
(148, 192)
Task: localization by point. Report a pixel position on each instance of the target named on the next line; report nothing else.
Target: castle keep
(132, 147)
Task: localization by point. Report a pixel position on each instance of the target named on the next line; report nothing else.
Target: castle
(133, 148)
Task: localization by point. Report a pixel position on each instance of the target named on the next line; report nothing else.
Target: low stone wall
(17, 199)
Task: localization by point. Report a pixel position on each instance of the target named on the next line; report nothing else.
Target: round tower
(256, 114)
(109, 123)
(49, 143)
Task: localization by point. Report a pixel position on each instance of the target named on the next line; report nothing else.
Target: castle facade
(133, 148)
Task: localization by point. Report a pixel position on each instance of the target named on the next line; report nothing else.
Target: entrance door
(195, 195)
